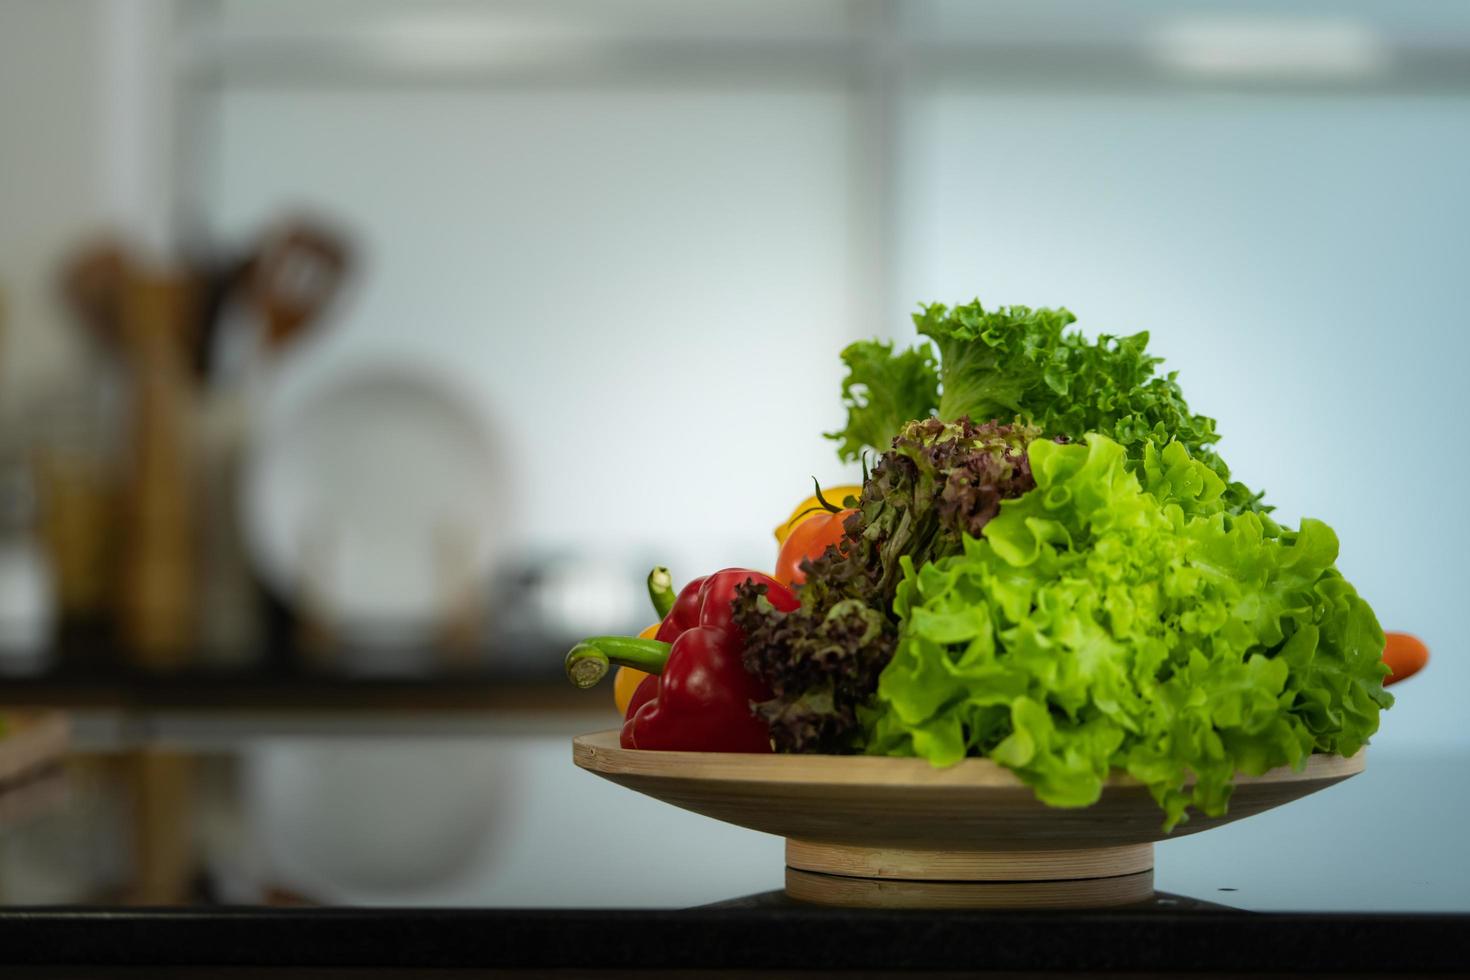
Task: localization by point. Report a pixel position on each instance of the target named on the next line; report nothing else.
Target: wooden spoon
(297, 274)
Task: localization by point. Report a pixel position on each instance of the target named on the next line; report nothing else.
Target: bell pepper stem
(589, 661)
(661, 591)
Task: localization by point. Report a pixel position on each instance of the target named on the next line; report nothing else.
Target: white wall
(644, 289)
(52, 178)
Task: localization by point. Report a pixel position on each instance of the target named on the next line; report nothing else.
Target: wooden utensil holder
(156, 585)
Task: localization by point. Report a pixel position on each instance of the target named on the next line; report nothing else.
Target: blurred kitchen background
(356, 357)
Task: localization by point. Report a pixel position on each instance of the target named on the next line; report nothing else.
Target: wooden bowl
(882, 831)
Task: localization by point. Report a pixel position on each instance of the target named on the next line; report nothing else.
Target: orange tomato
(808, 539)
(811, 507)
(1404, 654)
(628, 679)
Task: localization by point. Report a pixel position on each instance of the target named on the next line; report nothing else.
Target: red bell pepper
(701, 699)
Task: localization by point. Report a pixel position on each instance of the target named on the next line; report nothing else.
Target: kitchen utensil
(350, 496)
(149, 316)
(76, 481)
(221, 282)
(261, 305)
(298, 271)
(261, 302)
(157, 581)
(93, 284)
(856, 826)
(184, 439)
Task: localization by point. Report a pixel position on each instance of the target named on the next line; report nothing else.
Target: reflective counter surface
(487, 810)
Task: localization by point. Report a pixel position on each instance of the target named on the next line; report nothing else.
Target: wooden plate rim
(600, 753)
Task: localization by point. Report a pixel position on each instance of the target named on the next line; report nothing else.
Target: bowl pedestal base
(886, 877)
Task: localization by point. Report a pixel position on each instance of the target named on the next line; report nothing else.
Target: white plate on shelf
(373, 503)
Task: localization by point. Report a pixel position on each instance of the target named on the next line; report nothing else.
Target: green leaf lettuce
(882, 391)
(1120, 616)
(1018, 362)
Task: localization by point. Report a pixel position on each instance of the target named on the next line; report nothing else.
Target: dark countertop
(1369, 877)
(760, 933)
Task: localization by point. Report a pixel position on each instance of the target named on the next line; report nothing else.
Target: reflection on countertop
(413, 808)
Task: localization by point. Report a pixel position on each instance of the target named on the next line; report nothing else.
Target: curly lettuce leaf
(1119, 617)
(1019, 362)
(939, 482)
(881, 392)
(821, 662)
(992, 362)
